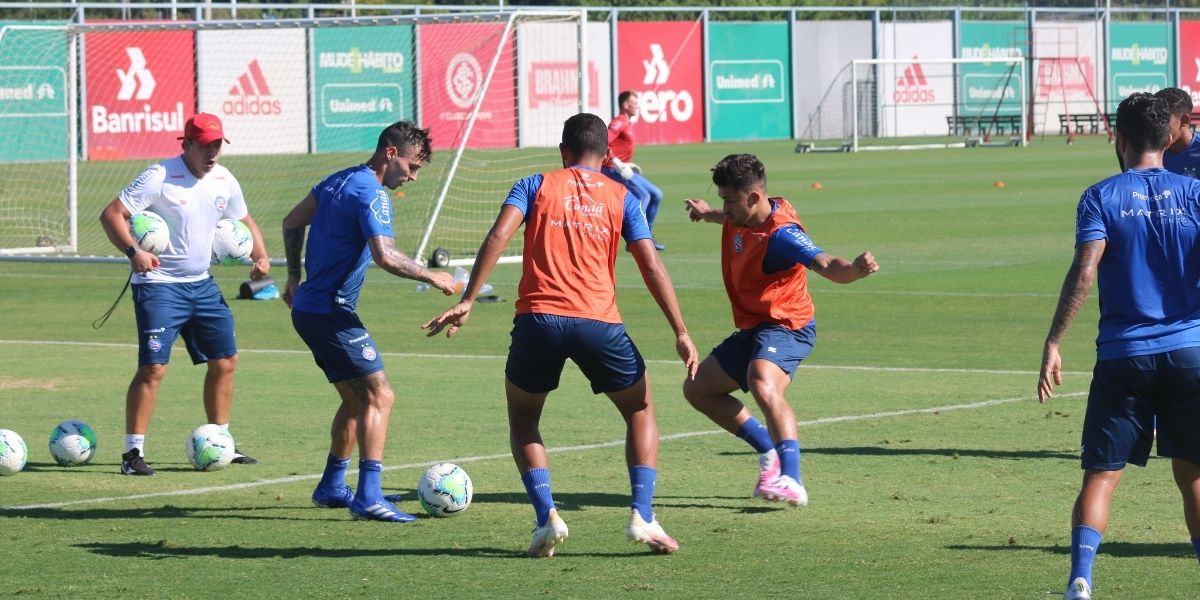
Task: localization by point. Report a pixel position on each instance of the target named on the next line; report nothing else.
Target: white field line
(504, 357)
(561, 450)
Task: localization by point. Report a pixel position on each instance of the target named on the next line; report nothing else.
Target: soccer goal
(888, 104)
(86, 107)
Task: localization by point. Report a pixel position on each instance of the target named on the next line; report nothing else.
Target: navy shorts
(196, 311)
(340, 343)
(541, 345)
(1126, 396)
(779, 345)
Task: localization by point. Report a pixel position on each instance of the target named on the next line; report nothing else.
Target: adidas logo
(251, 95)
(912, 87)
(138, 79)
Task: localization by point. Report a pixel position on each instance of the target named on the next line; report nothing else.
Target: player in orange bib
(575, 219)
(765, 258)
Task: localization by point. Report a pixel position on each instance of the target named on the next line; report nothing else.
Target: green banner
(1139, 59)
(749, 81)
(362, 82)
(994, 88)
(33, 92)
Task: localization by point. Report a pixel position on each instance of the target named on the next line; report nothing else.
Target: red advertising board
(1189, 58)
(141, 86)
(663, 61)
(455, 58)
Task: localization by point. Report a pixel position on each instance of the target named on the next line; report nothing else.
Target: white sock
(135, 440)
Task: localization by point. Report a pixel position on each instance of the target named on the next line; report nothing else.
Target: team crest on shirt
(381, 207)
(738, 246)
(368, 352)
(221, 202)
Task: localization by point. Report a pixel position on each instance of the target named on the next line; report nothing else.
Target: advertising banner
(1189, 59)
(256, 81)
(1065, 71)
(988, 89)
(822, 51)
(141, 87)
(33, 94)
(548, 67)
(362, 82)
(663, 61)
(1139, 59)
(455, 58)
(915, 96)
(749, 81)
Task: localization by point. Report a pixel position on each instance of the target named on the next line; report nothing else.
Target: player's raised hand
(865, 264)
(451, 320)
(1051, 374)
(696, 208)
(687, 351)
(443, 281)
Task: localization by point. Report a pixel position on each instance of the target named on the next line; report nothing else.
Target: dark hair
(1144, 120)
(585, 134)
(406, 137)
(625, 95)
(741, 172)
(1179, 102)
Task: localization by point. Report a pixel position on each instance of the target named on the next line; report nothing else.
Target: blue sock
(334, 476)
(641, 480)
(789, 458)
(756, 435)
(1196, 545)
(537, 485)
(1084, 543)
(369, 472)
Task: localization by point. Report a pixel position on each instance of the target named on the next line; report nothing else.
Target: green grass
(962, 500)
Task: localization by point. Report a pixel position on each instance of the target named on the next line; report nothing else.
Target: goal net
(884, 104)
(299, 99)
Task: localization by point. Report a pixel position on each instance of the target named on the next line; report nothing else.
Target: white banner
(256, 81)
(548, 72)
(915, 97)
(1065, 72)
(821, 55)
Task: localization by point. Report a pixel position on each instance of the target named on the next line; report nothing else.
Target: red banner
(141, 86)
(455, 58)
(1189, 59)
(663, 61)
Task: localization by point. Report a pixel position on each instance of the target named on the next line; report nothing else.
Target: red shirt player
(765, 258)
(619, 163)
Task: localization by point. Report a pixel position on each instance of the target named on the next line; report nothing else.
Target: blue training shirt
(352, 207)
(633, 222)
(1149, 275)
(1186, 163)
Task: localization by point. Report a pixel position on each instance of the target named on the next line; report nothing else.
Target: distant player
(566, 308)
(173, 294)
(1137, 232)
(1183, 155)
(765, 258)
(350, 214)
(620, 166)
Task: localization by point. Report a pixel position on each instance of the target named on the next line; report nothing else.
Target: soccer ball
(232, 243)
(72, 443)
(210, 448)
(150, 231)
(13, 452)
(444, 490)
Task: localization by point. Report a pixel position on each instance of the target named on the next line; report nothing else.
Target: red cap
(203, 128)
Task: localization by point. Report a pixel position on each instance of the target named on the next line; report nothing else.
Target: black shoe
(132, 463)
(242, 459)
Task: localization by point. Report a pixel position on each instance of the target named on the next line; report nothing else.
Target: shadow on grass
(166, 550)
(946, 452)
(1118, 549)
(168, 512)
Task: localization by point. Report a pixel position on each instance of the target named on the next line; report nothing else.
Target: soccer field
(933, 472)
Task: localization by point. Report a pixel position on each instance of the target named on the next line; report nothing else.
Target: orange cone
(816, 185)
(998, 184)
(399, 193)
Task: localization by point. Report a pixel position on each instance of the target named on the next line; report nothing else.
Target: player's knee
(151, 374)
(382, 398)
(223, 366)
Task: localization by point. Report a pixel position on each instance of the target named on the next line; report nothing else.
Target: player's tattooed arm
(1076, 286)
(294, 224)
(391, 259)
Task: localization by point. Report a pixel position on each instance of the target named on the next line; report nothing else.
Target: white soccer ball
(210, 448)
(444, 490)
(232, 243)
(13, 452)
(72, 443)
(150, 231)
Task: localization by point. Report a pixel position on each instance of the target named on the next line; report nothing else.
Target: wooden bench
(992, 124)
(1081, 122)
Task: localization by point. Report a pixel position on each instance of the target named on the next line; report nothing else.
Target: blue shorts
(1127, 394)
(781, 346)
(340, 343)
(196, 311)
(541, 345)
